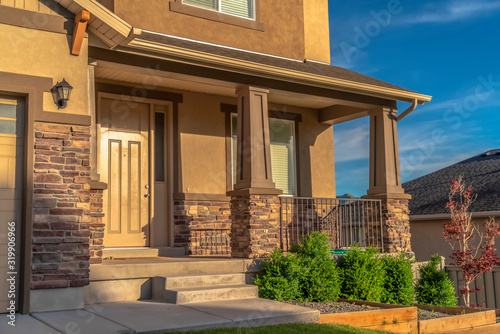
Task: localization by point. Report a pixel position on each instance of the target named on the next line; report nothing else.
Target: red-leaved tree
(473, 251)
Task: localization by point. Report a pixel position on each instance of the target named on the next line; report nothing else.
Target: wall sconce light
(60, 93)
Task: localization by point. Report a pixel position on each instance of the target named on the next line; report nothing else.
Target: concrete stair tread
(213, 287)
(202, 275)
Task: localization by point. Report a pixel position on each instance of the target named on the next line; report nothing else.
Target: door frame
(169, 157)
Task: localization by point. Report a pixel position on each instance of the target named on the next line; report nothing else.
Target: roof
(306, 67)
(120, 35)
(481, 172)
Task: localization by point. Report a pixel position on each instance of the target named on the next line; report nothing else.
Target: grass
(291, 329)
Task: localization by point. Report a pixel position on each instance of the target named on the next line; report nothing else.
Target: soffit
(151, 78)
(103, 23)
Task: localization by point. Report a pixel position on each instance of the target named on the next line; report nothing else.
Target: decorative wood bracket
(81, 20)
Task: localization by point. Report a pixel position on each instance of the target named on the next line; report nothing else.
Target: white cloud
(453, 11)
(351, 141)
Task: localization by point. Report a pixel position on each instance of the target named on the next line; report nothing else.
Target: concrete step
(142, 252)
(202, 293)
(199, 280)
(118, 269)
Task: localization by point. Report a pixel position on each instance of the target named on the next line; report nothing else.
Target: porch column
(385, 180)
(255, 227)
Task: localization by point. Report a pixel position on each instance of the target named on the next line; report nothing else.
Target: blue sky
(449, 49)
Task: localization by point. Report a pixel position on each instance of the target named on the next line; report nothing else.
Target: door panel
(124, 165)
(11, 187)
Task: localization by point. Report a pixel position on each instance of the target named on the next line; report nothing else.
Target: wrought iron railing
(346, 221)
(210, 242)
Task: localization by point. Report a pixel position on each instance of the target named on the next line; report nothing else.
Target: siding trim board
(35, 20)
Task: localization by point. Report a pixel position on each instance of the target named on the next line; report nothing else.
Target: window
(282, 138)
(241, 8)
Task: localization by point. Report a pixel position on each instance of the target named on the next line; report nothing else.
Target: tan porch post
(254, 201)
(385, 180)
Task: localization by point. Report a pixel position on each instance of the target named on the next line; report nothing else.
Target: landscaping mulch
(342, 307)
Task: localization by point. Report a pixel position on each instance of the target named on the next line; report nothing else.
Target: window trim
(230, 109)
(179, 7)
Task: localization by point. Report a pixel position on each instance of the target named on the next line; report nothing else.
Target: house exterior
(430, 195)
(186, 119)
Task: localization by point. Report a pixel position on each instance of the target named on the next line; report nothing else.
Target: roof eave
(125, 35)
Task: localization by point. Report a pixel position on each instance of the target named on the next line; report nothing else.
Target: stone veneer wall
(61, 206)
(96, 226)
(396, 225)
(255, 230)
(202, 227)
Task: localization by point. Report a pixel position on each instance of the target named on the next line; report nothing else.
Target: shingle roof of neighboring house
(481, 172)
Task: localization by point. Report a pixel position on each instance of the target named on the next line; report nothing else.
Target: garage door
(11, 186)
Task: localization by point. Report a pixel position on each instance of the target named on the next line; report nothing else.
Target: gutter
(407, 111)
(251, 68)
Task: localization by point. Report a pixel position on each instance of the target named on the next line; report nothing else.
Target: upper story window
(241, 8)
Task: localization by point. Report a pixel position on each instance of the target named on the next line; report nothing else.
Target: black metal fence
(345, 221)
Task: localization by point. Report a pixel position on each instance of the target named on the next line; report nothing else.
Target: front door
(11, 196)
(124, 166)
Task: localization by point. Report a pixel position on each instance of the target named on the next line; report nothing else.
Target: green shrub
(398, 284)
(307, 274)
(434, 287)
(280, 277)
(321, 280)
(362, 275)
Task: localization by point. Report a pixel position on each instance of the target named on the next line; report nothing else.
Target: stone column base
(255, 228)
(395, 222)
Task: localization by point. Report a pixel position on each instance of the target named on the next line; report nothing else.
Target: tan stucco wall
(47, 54)
(427, 238)
(202, 142)
(316, 30)
(283, 34)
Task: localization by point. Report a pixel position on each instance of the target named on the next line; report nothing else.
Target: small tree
(472, 251)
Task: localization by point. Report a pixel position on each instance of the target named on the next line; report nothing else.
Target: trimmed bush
(321, 280)
(398, 284)
(280, 277)
(434, 287)
(362, 275)
(307, 274)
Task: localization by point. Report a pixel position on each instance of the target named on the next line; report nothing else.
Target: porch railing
(346, 221)
(210, 242)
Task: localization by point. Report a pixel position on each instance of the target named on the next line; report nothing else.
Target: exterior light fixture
(60, 93)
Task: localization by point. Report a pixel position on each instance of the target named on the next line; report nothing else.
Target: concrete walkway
(152, 317)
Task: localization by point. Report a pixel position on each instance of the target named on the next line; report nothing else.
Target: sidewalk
(154, 317)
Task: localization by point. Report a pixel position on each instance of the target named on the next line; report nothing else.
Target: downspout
(407, 111)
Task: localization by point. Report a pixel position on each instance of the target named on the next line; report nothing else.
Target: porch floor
(153, 317)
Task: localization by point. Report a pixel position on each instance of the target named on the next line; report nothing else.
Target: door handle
(147, 195)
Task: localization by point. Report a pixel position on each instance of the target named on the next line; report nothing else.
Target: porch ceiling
(147, 77)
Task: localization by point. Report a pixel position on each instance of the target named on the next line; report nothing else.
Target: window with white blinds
(243, 8)
(281, 135)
